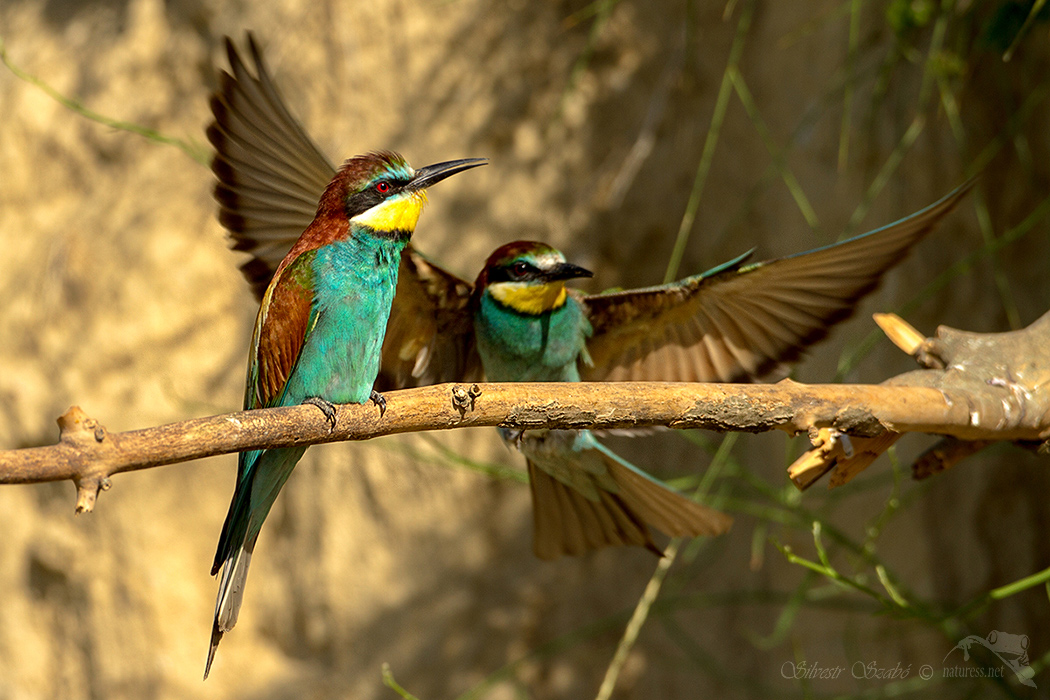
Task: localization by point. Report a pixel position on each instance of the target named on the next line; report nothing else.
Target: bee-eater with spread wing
(319, 332)
(735, 322)
(518, 322)
(528, 329)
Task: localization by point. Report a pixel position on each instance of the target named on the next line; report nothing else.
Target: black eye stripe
(362, 201)
(395, 184)
(518, 271)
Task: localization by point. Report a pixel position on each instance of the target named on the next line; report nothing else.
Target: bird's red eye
(382, 187)
(519, 269)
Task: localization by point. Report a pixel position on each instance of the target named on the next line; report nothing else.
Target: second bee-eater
(528, 329)
(736, 322)
(319, 332)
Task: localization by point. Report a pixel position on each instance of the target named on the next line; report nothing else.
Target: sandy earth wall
(121, 296)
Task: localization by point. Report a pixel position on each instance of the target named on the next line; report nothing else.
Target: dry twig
(989, 391)
(998, 377)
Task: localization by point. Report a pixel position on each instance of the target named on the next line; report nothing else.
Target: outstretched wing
(738, 321)
(271, 176)
(430, 335)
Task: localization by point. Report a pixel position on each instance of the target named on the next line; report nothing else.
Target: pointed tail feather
(231, 593)
(216, 637)
(233, 528)
(263, 474)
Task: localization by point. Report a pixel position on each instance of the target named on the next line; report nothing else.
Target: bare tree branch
(1001, 377)
(990, 389)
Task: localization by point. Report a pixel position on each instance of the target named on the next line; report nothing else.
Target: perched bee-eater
(528, 329)
(518, 322)
(319, 332)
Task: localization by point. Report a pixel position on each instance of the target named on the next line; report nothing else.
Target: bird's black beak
(566, 271)
(431, 174)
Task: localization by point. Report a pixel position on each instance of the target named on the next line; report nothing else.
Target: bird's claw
(512, 437)
(327, 408)
(379, 401)
(463, 399)
(460, 400)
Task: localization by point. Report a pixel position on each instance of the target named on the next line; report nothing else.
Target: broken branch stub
(996, 379)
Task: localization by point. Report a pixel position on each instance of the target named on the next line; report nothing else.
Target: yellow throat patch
(532, 299)
(394, 214)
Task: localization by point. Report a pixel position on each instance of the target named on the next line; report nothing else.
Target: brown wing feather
(739, 322)
(280, 332)
(430, 335)
(567, 523)
(666, 510)
(271, 174)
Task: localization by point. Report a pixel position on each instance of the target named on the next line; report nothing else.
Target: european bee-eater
(735, 322)
(528, 329)
(319, 332)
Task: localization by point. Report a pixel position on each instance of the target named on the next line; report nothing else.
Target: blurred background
(614, 129)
